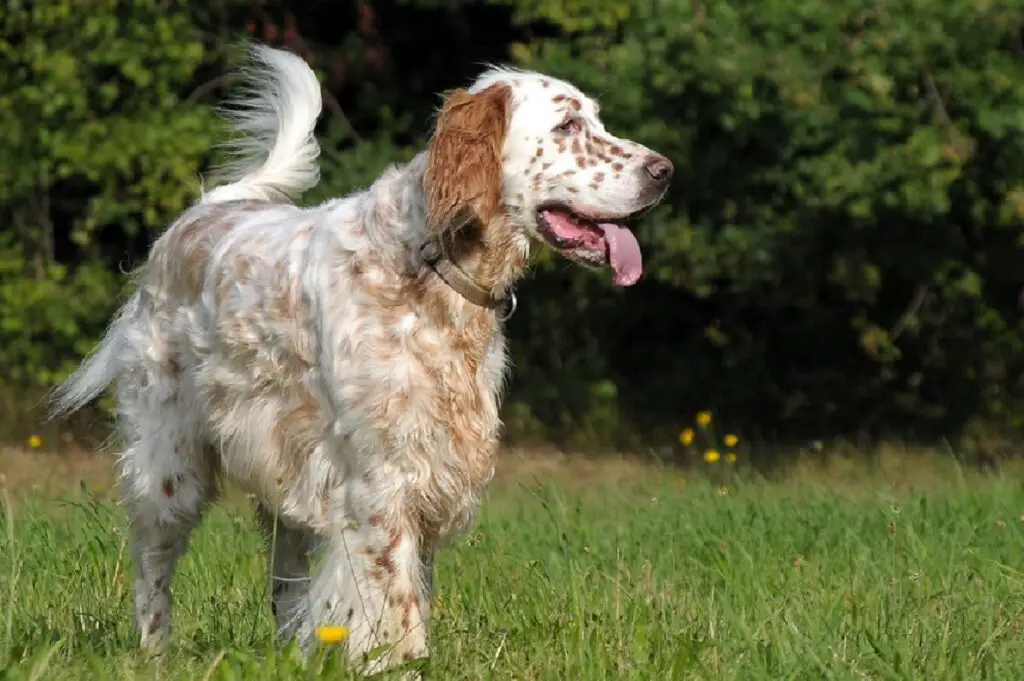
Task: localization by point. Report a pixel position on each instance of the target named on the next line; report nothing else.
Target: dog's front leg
(372, 579)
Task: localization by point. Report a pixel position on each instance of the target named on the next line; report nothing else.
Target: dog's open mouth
(594, 242)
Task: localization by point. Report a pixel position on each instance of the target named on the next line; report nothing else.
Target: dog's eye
(569, 125)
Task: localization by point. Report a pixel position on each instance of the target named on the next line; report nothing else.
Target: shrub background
(840, 253)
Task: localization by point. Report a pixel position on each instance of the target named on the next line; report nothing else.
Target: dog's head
(525, 156)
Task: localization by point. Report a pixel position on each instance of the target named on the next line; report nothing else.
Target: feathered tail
(277, 108)
(98, 370)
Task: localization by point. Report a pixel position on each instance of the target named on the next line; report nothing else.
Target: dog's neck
(489, 259)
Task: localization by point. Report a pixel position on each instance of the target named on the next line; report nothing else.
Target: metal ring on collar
(513, 303)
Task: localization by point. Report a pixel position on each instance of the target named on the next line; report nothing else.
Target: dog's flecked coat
(318, 359)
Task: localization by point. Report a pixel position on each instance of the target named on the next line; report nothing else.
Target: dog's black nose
(658, 168)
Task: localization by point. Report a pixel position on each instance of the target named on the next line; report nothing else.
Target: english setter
(344, 363)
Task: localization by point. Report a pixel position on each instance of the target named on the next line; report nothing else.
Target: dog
(344, 363)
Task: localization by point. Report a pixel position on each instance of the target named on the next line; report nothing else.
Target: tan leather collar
(463, 284)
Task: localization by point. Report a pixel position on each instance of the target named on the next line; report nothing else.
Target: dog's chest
(422, 384)
(426, 397)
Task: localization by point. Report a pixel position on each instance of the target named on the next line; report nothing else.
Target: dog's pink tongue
(623, 254)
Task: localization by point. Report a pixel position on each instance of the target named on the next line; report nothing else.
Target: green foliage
(94, 108)
(840, 251)
(48, 322)
(846, 213)
(96, 137)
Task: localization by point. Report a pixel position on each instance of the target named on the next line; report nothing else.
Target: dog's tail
(99, 369)
(276, 110)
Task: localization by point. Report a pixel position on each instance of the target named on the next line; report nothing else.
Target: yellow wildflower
(731, 440)
(35, 442)
(712, 455)
(331, 634)
(723, 491)
(704, 419)
(731, 457)
(686, 436)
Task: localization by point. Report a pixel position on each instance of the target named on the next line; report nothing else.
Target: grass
(646, 577)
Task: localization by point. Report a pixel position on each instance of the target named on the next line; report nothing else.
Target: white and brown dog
(344, 363)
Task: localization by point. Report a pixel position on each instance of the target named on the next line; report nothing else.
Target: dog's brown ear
(463, 179)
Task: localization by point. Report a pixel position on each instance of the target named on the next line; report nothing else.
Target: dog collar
(462, 283)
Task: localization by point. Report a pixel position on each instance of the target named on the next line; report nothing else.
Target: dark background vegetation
(840, 255)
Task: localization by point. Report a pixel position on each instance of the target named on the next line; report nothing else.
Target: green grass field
(652, 578)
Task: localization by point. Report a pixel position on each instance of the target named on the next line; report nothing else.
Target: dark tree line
(840, 253)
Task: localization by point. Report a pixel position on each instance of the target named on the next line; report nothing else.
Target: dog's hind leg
(289, 572)
(166, 482)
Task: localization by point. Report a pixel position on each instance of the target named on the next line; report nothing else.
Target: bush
(842, 248)
(840, 252)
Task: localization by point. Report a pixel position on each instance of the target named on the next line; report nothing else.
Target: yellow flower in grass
(686, 436)
(712, 455)
(723, 491)
(730, 440)
(704, 419)
(730, 457)
(331, 634)
(35, 442)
